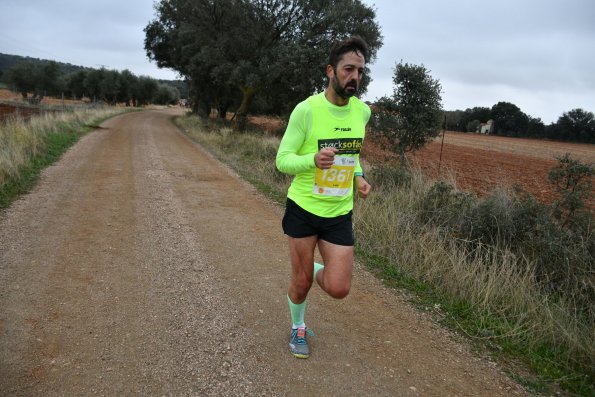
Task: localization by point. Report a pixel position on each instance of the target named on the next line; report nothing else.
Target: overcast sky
(537, 54)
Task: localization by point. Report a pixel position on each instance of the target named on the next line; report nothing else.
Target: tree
(93, 83)
(127, 82)
(145, 90)
(475, 116)
(166, 95)
(577, 125)
(452, 119)
(21, 77)
(535, 128)
(573, 181)
(39, 79)
(110, 86)
(413, 115)
(232, 50)
(75, 84)
(48, 78)
(509, 119)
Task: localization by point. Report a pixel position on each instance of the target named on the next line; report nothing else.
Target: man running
(321, 147)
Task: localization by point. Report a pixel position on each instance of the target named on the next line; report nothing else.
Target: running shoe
(298, 343)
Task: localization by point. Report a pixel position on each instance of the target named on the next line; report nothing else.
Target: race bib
(337, 180)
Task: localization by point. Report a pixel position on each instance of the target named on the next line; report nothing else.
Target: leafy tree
(413, 115)
(509, 119)
(92, 83)
(574, 184)
(39, 79)
(21, 77)
(127, 82)
(535, 128)
(577, 125)
(145, 90)
(232, 50)
(110, 86)
(47, 79)
(452, 119)
(472, 126)
(166, 95)
(75, 84)
(475, 116)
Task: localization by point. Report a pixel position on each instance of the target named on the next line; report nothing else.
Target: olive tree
(412, 116)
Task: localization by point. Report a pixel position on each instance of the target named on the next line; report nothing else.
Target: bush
(389, 177)
(443, 206)
(517, 222)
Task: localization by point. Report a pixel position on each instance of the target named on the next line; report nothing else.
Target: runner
(321, 147)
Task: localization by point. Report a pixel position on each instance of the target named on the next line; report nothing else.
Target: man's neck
(335, 99)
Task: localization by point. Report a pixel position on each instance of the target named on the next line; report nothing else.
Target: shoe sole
(300, 355)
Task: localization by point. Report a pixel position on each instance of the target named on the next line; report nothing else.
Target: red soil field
(481, 163)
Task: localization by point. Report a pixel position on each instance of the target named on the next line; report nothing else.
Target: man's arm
(288, 160)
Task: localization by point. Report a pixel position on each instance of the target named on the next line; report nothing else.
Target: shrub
(389, 177)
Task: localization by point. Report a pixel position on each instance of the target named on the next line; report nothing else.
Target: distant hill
(7, 61)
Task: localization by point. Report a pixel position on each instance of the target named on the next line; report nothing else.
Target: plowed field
(481, 163)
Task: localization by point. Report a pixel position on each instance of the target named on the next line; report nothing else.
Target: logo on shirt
(343, 145)
(342, 129)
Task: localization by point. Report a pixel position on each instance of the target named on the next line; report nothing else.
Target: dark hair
(352, 44)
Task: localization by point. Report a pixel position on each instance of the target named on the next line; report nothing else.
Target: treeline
(576, 125)
(35, 79)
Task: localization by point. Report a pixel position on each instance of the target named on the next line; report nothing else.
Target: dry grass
(22, 140)
(495, 282)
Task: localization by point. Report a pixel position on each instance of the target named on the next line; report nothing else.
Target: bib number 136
(337, 180)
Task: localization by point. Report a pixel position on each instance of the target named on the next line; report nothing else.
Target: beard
(346, 92)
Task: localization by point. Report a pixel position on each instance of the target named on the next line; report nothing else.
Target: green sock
(297, 311)
(317, 268)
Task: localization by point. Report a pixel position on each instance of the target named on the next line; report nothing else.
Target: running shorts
(298, 223)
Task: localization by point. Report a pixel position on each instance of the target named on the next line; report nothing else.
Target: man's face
(347, 76)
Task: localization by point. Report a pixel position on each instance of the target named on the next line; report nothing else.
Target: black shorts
(298, 223)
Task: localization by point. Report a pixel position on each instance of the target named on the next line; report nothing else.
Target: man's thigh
(301, 251)
(338, 261)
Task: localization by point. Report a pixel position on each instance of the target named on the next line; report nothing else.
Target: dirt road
(141, 266)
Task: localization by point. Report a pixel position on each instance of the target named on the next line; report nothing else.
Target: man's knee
(338, 291)
(301, 285)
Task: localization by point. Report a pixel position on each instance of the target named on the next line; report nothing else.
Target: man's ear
(330, 72)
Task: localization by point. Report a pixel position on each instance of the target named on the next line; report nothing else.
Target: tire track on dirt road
(140, 265)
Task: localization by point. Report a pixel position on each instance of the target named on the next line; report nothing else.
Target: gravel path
(140, 265)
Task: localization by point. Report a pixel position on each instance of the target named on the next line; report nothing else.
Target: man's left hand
(363, 187)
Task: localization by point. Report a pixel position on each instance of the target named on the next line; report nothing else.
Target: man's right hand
(325, 158)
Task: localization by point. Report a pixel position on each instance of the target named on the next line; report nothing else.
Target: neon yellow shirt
(314, 124)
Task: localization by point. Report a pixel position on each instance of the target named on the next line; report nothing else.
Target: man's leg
(335, 277)
(302, 268)
(301, 252)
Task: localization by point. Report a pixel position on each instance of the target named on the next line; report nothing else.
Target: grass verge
(29, 146)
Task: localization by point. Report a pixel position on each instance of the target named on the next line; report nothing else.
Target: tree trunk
(401, 157)
(241, 119)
